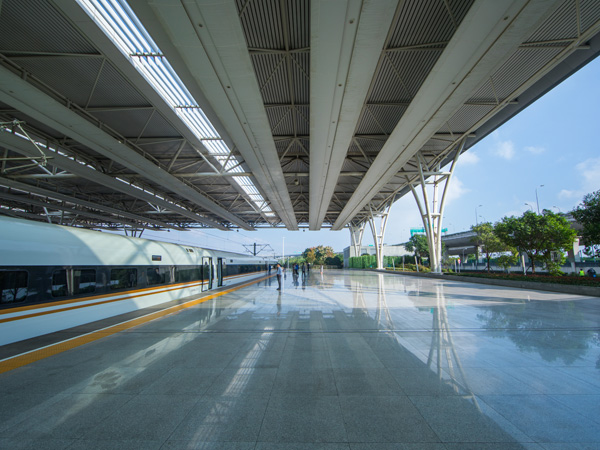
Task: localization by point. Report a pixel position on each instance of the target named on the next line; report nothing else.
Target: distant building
(388, 250)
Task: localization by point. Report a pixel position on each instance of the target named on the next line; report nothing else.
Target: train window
(59, 283)
(158, 275)
(85, 281)
(13, 286)
(123, 278)
(188, 274)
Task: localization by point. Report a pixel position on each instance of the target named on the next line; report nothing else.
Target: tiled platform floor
(344, 360)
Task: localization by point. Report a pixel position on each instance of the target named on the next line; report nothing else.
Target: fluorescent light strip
(121, 25)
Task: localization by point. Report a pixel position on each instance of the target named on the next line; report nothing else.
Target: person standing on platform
(279, 275)
(303, 269)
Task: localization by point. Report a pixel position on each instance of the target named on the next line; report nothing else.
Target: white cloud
(566, 194)
(456, 190)
(505, 149)
(589, 170)
(535, 150)
(468, 157)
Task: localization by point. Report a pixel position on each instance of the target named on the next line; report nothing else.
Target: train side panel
(54, 278)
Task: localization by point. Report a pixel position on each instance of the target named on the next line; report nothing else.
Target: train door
(219, 272)
(207, 275)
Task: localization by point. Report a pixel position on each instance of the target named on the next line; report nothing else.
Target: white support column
(432, 216)
(356, 235)
(378, 237)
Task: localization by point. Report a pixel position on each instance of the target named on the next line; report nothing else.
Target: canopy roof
(266, 113)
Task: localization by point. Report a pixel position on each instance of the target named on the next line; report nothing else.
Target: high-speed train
(56, 277)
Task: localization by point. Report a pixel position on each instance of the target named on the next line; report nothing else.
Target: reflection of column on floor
(442, 346)
(383, 312)
(360, 307)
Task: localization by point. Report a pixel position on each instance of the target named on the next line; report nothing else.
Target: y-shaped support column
(378, 237)
(356, 235)
(432, 216)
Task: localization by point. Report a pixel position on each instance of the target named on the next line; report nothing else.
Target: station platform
(337, 360)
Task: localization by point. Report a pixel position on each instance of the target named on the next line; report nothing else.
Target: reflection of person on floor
(279, 304)
(279, 275)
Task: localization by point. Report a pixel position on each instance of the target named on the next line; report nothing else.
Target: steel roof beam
(213, 61)
(25, 147)
(487, 36)
(38, 203)
(22, 95)
(76, 201)
(346, 41)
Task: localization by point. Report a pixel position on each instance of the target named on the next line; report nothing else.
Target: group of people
(591, 272)
(295, 272)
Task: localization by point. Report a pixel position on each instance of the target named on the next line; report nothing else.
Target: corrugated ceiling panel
(159, 126)
(370, 146)
(387, 116)
(73, 77)
(114, 90)
(460, 8)
(413, 67)
(280, 120)
(34, 25)
(560, 25)
(128, 123)
(484, 94)
(272, 77)
(303, 120)
(281, 145)
(466, 117)
(299, 23)
(388, 86)
(436, 145)
(426, 21)
(522, 65)
(166, 150)
(300, 72)
(590, 11)
(261, 22)
(368, 124)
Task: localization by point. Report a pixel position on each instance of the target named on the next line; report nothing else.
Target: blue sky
(552, 143)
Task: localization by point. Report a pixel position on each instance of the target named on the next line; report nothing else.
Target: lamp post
(476, 220)
(528, 204)
(536, 197)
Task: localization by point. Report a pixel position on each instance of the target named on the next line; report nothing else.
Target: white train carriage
(53, 277)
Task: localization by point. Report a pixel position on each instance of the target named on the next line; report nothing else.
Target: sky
(551, 148)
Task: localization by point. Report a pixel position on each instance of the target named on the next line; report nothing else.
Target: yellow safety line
(35, 355)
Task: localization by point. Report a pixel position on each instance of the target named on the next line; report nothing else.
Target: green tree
(488, 241)
(419, 245)
(588, 216)
(539, 236)
(336, 260)
(318, 255)
(508, 259)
